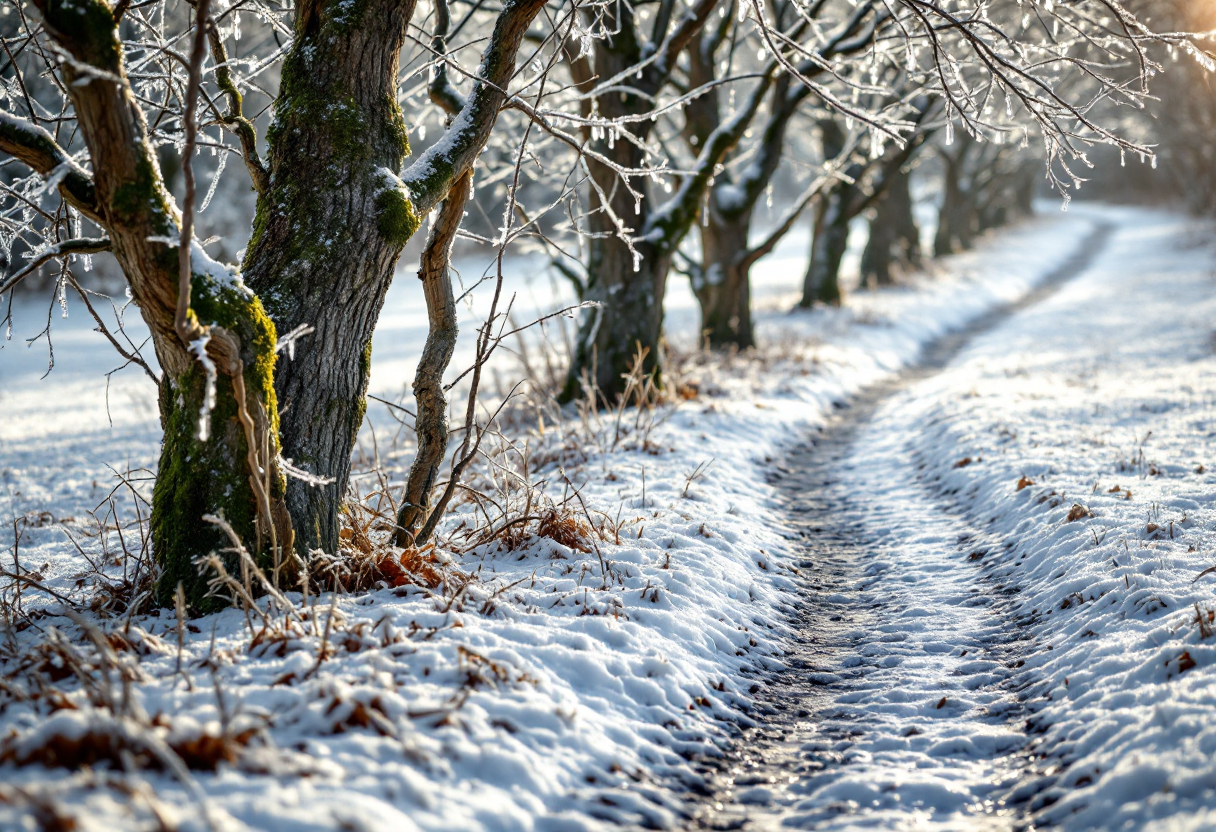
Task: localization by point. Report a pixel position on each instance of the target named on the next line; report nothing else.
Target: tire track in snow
(895, 710)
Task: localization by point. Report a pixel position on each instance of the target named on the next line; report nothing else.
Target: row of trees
(604, 130)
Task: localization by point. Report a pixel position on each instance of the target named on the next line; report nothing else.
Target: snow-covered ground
(1091, 420)
(559, 687)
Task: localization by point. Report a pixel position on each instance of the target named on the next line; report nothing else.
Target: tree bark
(327, 235)
(335, 217)
(233, 470)
(723, 288)
(431, 423)
(829, 241)
(627, 278)
(894, 241)
(954, 225)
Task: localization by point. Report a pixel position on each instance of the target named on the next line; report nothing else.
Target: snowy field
(569, 687)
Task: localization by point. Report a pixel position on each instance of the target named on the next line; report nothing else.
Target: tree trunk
(722, 287)
(954, 225)
(629, 318)
(330, 227)
(828, 245)
(629, 257)
(894, 236)
(627, 284)
(221, 475)
(431, 423)
(327, 235)
(215, 459)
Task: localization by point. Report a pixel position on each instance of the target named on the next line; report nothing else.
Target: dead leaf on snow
(1078, 512)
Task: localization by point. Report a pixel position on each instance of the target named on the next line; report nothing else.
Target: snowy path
(904, 716)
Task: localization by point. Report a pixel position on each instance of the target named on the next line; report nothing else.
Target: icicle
(1154, 161)
(769, 196)
(637, 206)
(199, 348)
(236, 26)
(760, 53)
(637, 261)
(742, 12)
(949, 132)
(1064, 204)
(612, 138)
(215, 180)
(422, 132)
(63, 297)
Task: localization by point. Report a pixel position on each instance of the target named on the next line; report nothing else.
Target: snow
(1104, 389)
(566, 689)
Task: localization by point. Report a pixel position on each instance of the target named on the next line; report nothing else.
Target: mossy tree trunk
(332, 218)
(332, 224)
(199, 473)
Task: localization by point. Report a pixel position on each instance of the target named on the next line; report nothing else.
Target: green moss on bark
(209, 477)
(395, 216)
(144, 196)
(89, 26)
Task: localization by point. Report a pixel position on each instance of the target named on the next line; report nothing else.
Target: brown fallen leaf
(1024, 481)
(963, 463)
(942, 703)
(1078, 512)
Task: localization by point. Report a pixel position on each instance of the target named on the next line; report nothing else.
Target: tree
(969, 58)
(864, 182)
(332, 218)
(721, 279)
(633, 233)
(894, 241)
